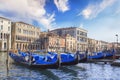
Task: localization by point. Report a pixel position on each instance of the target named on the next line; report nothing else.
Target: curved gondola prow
(58, 58)
(16, 58)
(57, 64)
(77, 56)
(58, 61)
(82, 58)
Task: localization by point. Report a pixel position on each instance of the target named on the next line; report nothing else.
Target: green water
(81, 71)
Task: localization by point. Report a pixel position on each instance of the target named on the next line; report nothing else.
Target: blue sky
(100, 17)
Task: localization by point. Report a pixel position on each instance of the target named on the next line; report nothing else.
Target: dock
(116, 63)
(99, 60)
(117, 56)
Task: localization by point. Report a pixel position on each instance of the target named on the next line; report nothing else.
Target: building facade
(25, 36)
(91, 45)
(114, 45)
(94, 45)
(78, 33)
(52, 42)
(70, 43)
(104, 45)
(97, 45)
(5, 29)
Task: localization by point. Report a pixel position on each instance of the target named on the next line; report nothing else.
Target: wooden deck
(117, 55)
(99, 60)
(116, 63)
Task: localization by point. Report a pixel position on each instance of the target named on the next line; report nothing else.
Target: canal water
(81, 71)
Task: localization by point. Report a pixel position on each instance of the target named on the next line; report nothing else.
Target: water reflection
(82, 71)
(66, 73)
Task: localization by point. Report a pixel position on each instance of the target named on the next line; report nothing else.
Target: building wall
(5, 29)
(52, 42)
(113, 45)
(81, 37)
(78, 33)
(96, 45)
(70, 43)
(104, 45)
(25, 36)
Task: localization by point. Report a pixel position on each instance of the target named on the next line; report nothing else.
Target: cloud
(104, 28)
(27, 10)
(47, 20)
(92, 10)
(81, 26)
(117, 10)
(62, 5)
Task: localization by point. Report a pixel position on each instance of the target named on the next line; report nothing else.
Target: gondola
(67, 58)
(109, 54)
(99, 55)
(83, 58)
(34, 55)
(51, 63)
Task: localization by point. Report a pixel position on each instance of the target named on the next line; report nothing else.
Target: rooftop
(26, 24)
(5, 18)
(68, 28)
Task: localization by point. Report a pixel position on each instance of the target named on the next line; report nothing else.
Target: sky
(101, 18)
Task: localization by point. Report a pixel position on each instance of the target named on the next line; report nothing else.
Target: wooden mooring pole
(7, 48)
(7, 59)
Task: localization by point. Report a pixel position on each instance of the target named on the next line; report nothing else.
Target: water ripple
(81, 71)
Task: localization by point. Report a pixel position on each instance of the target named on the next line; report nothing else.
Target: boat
(38, 62)
(109, 54)
(98, 55)
(83, 58)
(116, 63)
(36, 56)
(67, 58)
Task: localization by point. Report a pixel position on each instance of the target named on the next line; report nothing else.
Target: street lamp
(116, 48)
(117, 39)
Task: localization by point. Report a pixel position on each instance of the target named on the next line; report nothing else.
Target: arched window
(20, 45)
(36, 46)
(33, 46)
(5, 45)
(17, 45)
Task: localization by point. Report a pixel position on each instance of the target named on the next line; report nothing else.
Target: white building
(5, 28)
(78, 33)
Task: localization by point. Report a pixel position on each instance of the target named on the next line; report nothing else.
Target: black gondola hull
(83, 60)
(20, 60)
(74, 62)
